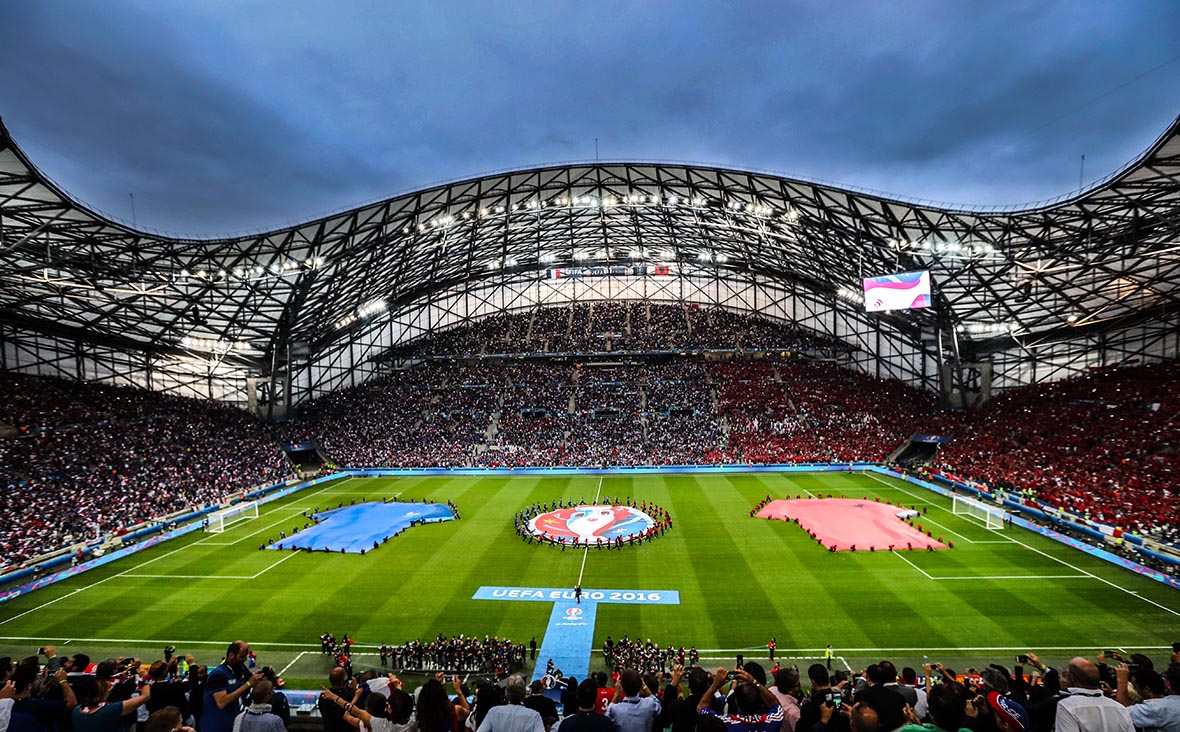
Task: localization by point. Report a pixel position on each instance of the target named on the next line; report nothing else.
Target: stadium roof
(1099, 261)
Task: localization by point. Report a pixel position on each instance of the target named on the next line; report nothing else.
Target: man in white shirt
(1086, 709)
(513, 716)
(1160, 710)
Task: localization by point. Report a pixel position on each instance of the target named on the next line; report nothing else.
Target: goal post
(991, 516)
(222, 519)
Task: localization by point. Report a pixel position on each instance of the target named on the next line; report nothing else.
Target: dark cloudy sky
(224, 116)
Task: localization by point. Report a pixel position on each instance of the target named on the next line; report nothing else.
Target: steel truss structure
(1035, 293)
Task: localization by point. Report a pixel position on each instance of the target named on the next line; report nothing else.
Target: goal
(221, 520)
(991, 516)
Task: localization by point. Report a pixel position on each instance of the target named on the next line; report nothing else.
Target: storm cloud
(231, 116)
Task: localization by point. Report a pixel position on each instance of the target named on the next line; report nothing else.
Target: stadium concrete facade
(1021, 294)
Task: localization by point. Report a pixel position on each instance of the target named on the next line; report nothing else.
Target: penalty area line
(295, 660)
(899, 556)
(1075, 568)
(131, 570)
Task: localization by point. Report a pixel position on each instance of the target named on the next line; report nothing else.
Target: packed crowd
(654, 689)
(93, 460)
(1110, 434)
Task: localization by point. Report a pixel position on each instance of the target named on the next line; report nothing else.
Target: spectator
(258, 716)
(166, 719)
(822, 697)
(910, 678)
(95, 714)
(1160, 710)
(7, 695)
(513, 716)
(539, 703)
(585, 717)
(278, 700)
(752, 707)
(787, 691)
(227, 688)
(30, 712)
(167, 690)
(333, 700)
(435, 712)
(634, 709)
(948, 712)
(1086, 709)
(1007, 715)
(883, 695)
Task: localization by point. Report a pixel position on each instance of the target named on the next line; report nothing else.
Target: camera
(1022, 658)
(1133, 667)
(41, 651)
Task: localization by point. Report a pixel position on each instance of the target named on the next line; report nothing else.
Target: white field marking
(777, 657)
(597, 495)
(312, 648)
(899, 556)
(992, 577)
(293, 509)
(1100, 579)
(583, 570)
(879, 479)
(1014, 577)
(59, 599)
(271, 525)
(293, 662)
(1062, 561)
(809, 493)
(289, 555)
(121, 574)
(187, 576)
(948, 649)
(211, 576)
(926, 520)
(156, 641)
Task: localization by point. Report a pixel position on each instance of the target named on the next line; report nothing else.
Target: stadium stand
(90, 459)
(1109, 435)
(1100, 446)
(1138, 690)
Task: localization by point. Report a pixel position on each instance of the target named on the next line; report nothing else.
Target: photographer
(36, 712)
(167, 690)
(1160, 709)
(752, 707)
(95, 713)
(822, 695)
(225, 689)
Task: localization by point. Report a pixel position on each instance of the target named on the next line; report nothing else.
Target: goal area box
(222, 519)
(990, 516)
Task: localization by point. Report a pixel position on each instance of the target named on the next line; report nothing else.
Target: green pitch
(741, 580)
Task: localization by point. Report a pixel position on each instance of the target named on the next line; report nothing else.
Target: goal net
(221, 520)
(991, 516)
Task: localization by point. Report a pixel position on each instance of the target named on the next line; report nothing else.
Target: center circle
(586, 524)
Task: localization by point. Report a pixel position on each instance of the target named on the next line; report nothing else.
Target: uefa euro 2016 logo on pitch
(588, 524)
